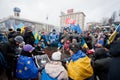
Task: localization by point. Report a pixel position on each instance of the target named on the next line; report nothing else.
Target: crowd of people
(90, 55)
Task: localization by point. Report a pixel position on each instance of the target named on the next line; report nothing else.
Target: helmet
(19, 39)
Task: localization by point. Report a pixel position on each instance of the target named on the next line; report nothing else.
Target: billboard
(70, 11)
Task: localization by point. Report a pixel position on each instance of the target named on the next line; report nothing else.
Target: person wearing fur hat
(54, 69)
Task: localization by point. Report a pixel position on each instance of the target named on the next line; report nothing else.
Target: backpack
(45, 76)
(26, 68)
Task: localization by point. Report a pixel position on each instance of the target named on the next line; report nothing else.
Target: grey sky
(37, 10)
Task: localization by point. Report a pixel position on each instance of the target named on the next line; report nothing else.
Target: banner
(70, 21)
(75, 28)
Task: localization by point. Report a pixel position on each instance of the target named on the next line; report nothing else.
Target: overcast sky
(37, 10)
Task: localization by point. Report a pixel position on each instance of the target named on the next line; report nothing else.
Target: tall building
(78, 17)
(16, 22)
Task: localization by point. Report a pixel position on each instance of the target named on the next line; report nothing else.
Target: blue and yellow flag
(75, 27)
(79, 67)
(112, 37)
(36, 37)
(83, 43)
(78, 28)
(21, 26)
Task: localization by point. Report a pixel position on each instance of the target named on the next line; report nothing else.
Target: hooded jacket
(55, 70)
(114, 70)
(101, 62)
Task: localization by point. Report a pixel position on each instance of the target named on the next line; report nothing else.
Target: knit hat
(100, 53)
(56, 55)
(53, 30)
(19, 39)
(28, 48)
(29, 28)
(10, 29)
(18, 29)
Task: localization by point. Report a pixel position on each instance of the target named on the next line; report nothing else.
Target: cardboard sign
(41, 60)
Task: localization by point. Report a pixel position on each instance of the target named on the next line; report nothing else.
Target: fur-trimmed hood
(55, 69)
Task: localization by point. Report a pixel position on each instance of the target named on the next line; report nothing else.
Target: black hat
(18, 29)
(10, 29)
(74, 47)
(100, 53)
(53, 30)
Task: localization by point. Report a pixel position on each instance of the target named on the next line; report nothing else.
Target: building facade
(92, 25)
(78, 17)
(17, 22)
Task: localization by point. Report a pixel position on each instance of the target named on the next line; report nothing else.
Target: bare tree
(114, 15)
(105, 21)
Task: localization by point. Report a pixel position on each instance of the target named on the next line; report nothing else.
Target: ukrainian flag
(79, 66)
(21, 26)
(37, 37)
(22, 29)
(112, 37)
(83, 43)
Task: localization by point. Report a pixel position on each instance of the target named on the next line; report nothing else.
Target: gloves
(118, 28)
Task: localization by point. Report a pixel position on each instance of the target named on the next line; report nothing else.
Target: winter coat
(55, 70)
(45, 39)
(29, 37)
(11, 34)
(3, 38)
(101, 63)
(53, 37)
(114, 70)
(19, 34)
(88, 40)
(10, 49)
(10, 52)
